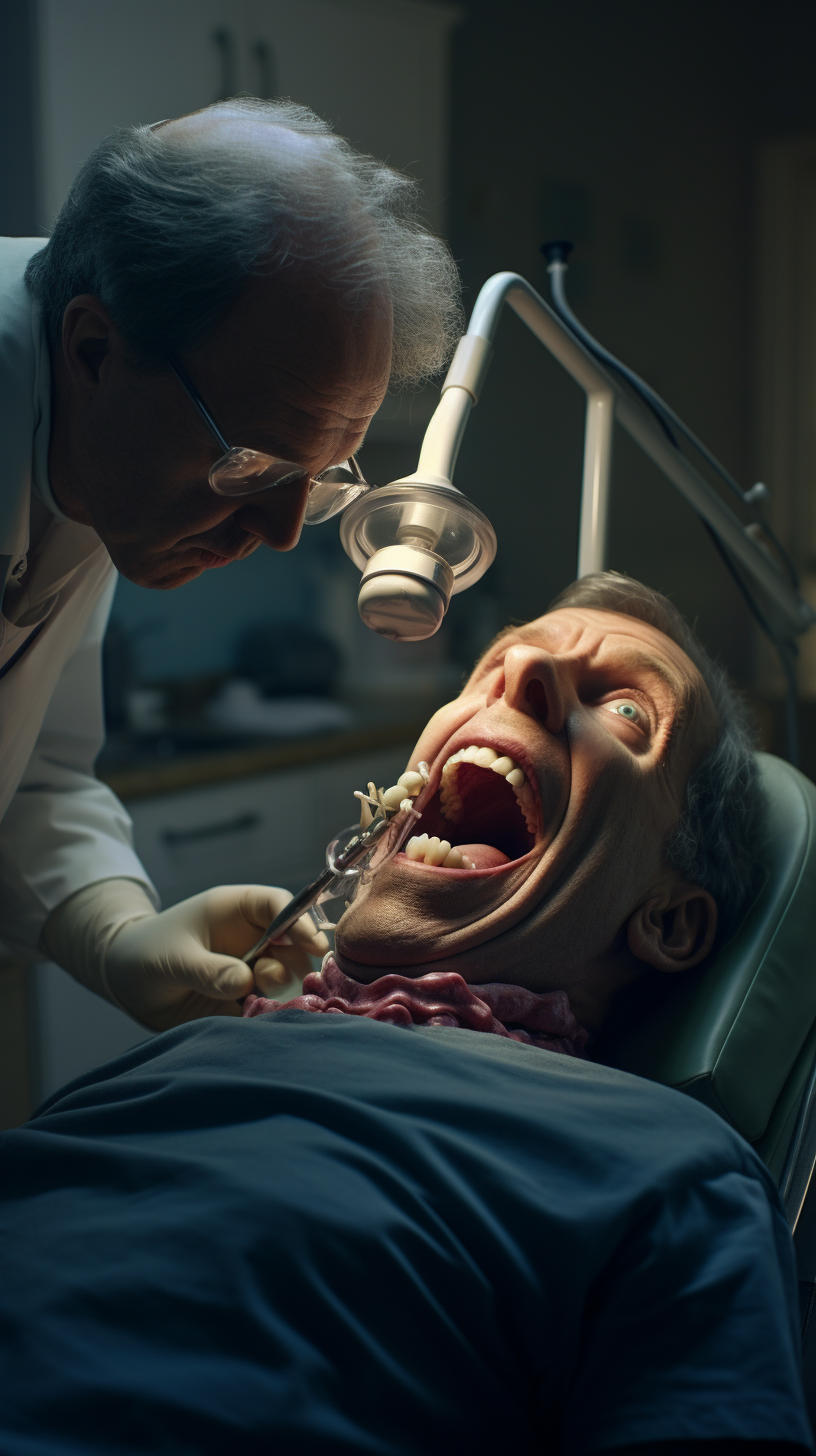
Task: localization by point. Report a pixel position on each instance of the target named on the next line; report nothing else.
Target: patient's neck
(440, 998)
(592, 987)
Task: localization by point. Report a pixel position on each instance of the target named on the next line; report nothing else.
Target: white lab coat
(60, 829)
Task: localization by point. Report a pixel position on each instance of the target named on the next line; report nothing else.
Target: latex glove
(173, 966)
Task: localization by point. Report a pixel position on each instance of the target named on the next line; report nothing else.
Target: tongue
(484, 856)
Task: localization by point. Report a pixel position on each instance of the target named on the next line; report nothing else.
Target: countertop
(190, 751)
(144, 774)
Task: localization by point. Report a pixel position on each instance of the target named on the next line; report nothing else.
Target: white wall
(376, 69)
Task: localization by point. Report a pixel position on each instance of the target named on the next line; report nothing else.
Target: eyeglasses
(240, 471)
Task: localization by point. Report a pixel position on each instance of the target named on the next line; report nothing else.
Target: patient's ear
(674, 929)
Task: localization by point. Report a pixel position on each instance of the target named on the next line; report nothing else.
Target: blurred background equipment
(288, 659)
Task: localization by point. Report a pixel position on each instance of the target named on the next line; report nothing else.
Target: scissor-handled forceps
(345, 870)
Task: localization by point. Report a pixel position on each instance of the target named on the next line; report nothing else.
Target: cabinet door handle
(211, 831)
(264, 57)
(224, 41)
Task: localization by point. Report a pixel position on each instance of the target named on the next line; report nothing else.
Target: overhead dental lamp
(419, 540)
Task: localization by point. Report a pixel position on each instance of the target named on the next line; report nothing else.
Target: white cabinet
(376, 69)
(271, 830)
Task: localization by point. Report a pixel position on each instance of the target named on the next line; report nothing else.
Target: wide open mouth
(483, 815)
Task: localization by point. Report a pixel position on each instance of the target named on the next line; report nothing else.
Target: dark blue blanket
(322, 1234)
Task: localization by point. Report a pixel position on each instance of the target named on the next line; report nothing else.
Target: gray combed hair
(716, 843)
(167, 229)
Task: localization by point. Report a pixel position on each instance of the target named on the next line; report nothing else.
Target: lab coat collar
(19, 407)
(25, 407)
(41, 484)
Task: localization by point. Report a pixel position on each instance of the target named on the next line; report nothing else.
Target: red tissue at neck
(442, 998)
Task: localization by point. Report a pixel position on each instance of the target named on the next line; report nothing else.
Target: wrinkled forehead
(611, 643)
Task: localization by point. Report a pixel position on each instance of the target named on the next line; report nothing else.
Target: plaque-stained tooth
(393, 797)
(454, 860)
(503, 765)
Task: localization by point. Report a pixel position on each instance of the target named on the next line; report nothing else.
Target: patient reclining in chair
(387, 1231)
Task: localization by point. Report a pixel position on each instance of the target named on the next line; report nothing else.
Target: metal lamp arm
(606, 399)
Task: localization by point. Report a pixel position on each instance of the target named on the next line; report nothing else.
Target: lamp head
(417, 541)
(400, 604)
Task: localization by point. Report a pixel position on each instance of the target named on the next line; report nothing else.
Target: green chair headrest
(730, 1033)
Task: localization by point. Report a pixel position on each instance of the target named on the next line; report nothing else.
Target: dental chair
(740, 1033)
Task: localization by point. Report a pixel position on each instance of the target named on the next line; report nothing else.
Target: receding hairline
(183, 212)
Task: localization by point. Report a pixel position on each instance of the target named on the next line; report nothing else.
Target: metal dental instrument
(343, 870)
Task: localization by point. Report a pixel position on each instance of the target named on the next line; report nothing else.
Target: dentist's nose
(276, 515)
(532, 685)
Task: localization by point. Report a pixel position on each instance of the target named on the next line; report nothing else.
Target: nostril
(536, 696)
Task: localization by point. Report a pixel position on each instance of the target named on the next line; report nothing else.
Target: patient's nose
(532, 686)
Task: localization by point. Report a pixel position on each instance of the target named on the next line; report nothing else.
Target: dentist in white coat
(248, 255)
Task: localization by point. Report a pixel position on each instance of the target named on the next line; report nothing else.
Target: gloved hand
(173, 966)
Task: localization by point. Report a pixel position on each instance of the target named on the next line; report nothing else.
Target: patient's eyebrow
(636, 660)
(632, 658)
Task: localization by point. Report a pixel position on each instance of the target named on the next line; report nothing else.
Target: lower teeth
(434, 851)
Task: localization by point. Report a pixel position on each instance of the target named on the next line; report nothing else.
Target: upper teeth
(450, 800)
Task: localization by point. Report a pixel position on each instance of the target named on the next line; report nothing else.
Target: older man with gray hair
(218, 311)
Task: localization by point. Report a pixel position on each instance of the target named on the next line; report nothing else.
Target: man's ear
(674, 929)
(87, 334)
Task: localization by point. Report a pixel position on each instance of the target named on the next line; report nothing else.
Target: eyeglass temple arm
(199, 404)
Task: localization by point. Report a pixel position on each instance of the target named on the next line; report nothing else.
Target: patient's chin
(416, 914)
(367, 960)
(387, 932)
(367, 935)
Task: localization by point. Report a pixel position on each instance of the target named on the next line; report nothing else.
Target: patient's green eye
(625, 708)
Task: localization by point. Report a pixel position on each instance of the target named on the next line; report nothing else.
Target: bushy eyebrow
(639, 661)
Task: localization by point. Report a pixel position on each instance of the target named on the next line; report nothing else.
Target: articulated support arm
(606, 400)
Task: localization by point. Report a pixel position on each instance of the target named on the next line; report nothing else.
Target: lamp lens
(409, 513)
